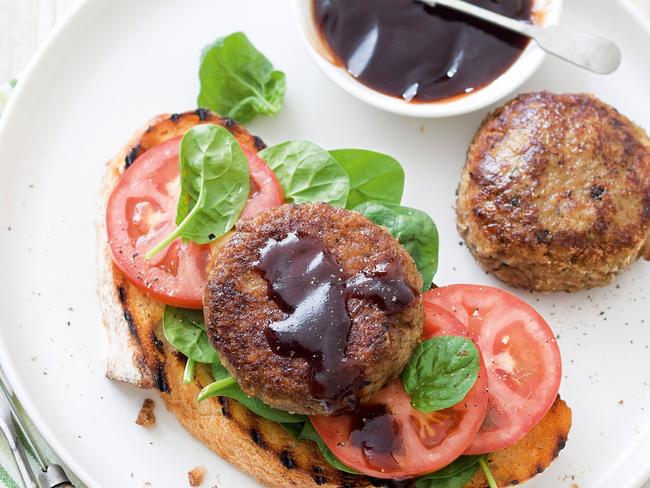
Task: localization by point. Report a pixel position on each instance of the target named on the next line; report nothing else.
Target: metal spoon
(585, 50)
(8, 429)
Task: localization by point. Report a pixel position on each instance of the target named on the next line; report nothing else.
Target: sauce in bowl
(406, 49)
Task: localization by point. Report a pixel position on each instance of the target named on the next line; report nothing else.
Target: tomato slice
(388, 438)
(520, 352)
(141, 211)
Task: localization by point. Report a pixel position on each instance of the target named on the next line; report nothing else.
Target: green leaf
(488, 474)
(307, 173)
(460, 464)
(455, 475)
(214, 179)
(228, 387)
(238, 81)
(294, 428)
(413, 228)
(308, 432)
(188, 374)
(373, 176)
(219, 371)
(440, 372)
(185, 331)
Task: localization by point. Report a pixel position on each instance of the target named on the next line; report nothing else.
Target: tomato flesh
(141, 212)
(388, 438)
(521, 354)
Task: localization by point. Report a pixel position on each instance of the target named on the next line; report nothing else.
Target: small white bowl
(545, 12)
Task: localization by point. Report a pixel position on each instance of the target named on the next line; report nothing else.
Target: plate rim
(637, 479)
(19, 389)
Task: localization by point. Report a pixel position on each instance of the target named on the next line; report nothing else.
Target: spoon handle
(484, 14)
(585, 50)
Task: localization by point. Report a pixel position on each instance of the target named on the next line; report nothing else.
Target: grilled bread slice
(139, 354)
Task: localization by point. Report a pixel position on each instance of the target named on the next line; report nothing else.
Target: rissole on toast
(139, 354)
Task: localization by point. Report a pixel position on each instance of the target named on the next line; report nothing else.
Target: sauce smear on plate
(406, 49)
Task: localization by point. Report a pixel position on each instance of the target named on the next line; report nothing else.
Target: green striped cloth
(9, 475)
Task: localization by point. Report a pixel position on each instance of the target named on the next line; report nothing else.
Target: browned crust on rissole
(555, 193)
(259, 447)
(237, 307)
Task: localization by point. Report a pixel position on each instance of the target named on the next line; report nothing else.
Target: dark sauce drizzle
(376, 432)
(416, 52)
(308, 284)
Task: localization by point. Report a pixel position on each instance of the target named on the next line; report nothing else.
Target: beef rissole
(351, 290)
(555, 193)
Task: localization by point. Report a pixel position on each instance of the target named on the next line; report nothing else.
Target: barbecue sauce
(376, 432)
(406, 49)
(309, 285)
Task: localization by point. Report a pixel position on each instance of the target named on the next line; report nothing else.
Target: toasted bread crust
(140, 355)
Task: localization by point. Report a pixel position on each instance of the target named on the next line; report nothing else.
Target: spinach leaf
(228, 387)
(308, 432)
(219, 371)
(440, 372)
(185, 331)
(373, 176)
(483, 462)
(307, 173)
(293, 429)
(214, 179)
(238, 81)
(413, 229)
(188, 374)
(453, 476)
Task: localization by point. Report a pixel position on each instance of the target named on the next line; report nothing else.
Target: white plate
(113, 65)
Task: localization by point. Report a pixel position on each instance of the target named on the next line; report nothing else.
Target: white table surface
(25, 24)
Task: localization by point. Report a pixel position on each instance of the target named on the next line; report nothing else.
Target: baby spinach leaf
(460, 464)
(214, 179)
(413, 229)
(238, 81)
(293, 429)
(228, 387)
(455, 475)
(188, 374)
(440, 372)
(308, 432)
(486, 471)
(219, 371)
(373, 176)
(185, 331)
(307, 173)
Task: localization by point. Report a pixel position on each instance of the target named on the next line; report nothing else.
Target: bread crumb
(146, 416)
(620, 402)
(196, 476)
